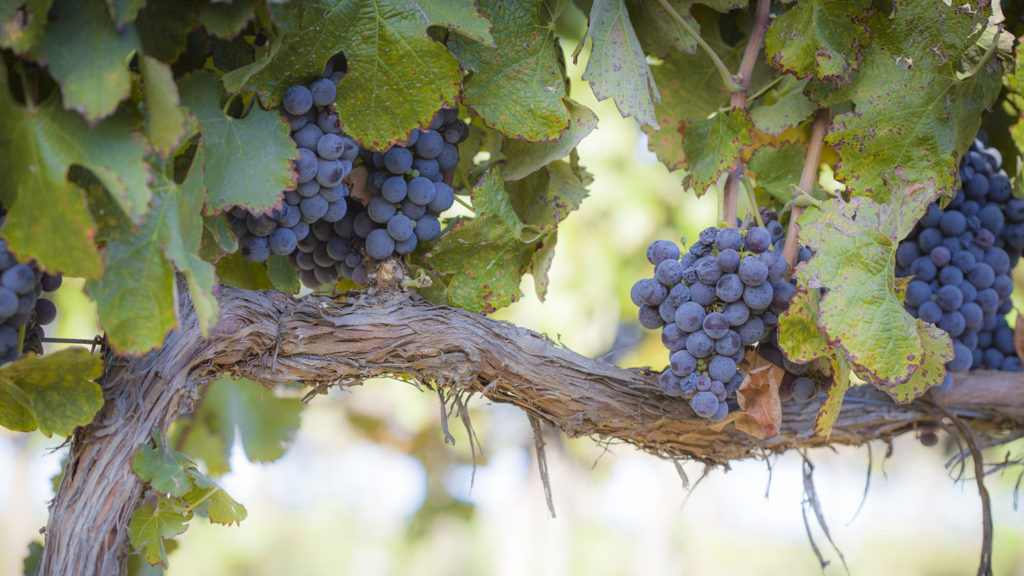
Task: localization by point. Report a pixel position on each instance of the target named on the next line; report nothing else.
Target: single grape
(421, 191)
(682, 363)
(752, 271)
(308, 136)
(393, 190)
(757, 240)
(380, 210)
(379, 245)
(253, 248)
(704, 404)
(427, 228)
(715, 325)
(398, 160)
(721, 368)
(737, 313)
(282, 241)
(728, 260)
(668, 272)
(661, 250)
(690, 316)
(444, 198)
(699, 345)
(323, 91)
(400, 227)
(330, 147)
(297, 100)
(729, 288)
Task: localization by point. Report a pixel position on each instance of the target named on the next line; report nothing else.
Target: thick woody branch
(270, 337)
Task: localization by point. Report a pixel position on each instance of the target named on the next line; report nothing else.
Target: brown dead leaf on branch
(760, 412)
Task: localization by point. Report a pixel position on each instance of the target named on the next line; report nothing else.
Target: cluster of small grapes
(961, 259)
(21, 284)
(407, 186)
(723, 295)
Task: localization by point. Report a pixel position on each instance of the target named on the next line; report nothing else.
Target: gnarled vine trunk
(270, 337)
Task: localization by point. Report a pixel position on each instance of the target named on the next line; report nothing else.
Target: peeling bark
(270, 337)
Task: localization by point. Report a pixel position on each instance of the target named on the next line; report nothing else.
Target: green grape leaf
(712, 146)
(41, 146)
(88, 56)
(938, 349)
(179, 230)
(163, 27)
(855, 245)
(220, 506)
(525, 158)
(22, 24)
(482, 259)
(124, 11)
(691, 89)
(151, 527)
(267, 423)
(659, 33)
(234, 270)
(227, 19)
(15, 409)
(167, 471)
(782, 108)
(282, 274)
(517, 86)
(57, 390)
(617, 67)
(829, 411)
(248, 161)
(165, 119)
(914, 108)
(777, 170)
(135, 298)
(542, 200)
(30, 565)
(823, 39)
(397, 76)
(800, 338)
(460, 17)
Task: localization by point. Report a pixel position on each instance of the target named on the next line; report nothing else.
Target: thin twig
(730, 83)
(807, 178)
(746, 71)
(542, 461)
(985, 563)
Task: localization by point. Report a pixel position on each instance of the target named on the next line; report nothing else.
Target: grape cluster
(722, 296)
(407, 186)
(21, 285)
(321, 227)
(960, 260)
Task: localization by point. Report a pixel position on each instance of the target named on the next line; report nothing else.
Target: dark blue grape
(444, 197)
(670, 384)
(753, 271)
(751, 331)
(729, 260)
(758, 297)
(918, 292)
(672, 337)
(380, 210)
(757, 240)
(649, 317)
(729, 288)
(282, 241)
(297, 100)
(973, 315)
(668, 272)
(661, 250)
(704, 404)
(708, 271)
(690, 316)
(8, 303)
(923, 269)
(682, 363)
(400, 227)
(953, 322)
(906, 254)
(699, 344)
(430, 144)
(737, 313)
(951, 275)
(323, 92)
(427, 229)
(721, 368)
(702, 294)
(729, 344)
(949, 298)
(981, 276)
(715, 325)
(379, 245)
(253, 249)
(398, 160)
(728, 238)
(308, 136)
(420, 191)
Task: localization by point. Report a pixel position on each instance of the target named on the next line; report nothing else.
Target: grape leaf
(823, 39)
(57, 389)
(221, 507)
(829, 411)
(227, 19)
(248, 161)
(525, 158)
(782, 108)
(460, 17)
(30, 564)
(800, 339)
(712, 146)
(152, 525)
(167, 471)
(163, 27)
(266, 423)
(165, 119)
(758, 397)
(517, 86)
(659, 33)
(855, 245)
(15, 409)
(397, 76)
(617, 67)
(691, 89)
(41, 146)
(234, 270)
(482, 259)
(88, 56)
(282, 274)
(124, 11)
(914, 108)
(179, 230)
(542, 200)
(938, 349)
(777, 170)
(22, 23)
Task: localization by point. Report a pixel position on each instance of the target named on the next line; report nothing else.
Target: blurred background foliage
(369, 486)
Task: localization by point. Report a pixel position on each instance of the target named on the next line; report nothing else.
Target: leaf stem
(30, 102)
(464, 204)
(763, 89)
(730, 83)
(807, 178)
(987, 55)
(752, 198)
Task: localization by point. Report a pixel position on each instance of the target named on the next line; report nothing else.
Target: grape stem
(752, 198)
(807, 179)
(738, 101)
(727, 78)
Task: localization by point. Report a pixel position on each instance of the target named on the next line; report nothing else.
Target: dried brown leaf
(758, 397)
(1018, 335)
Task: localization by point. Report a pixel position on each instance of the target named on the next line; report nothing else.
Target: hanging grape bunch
(325, 231)
(960, 259)
(722, 297)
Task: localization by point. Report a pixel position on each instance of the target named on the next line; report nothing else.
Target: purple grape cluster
(721, 297)
(323, 230)
(407, 186)
(960, 259)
